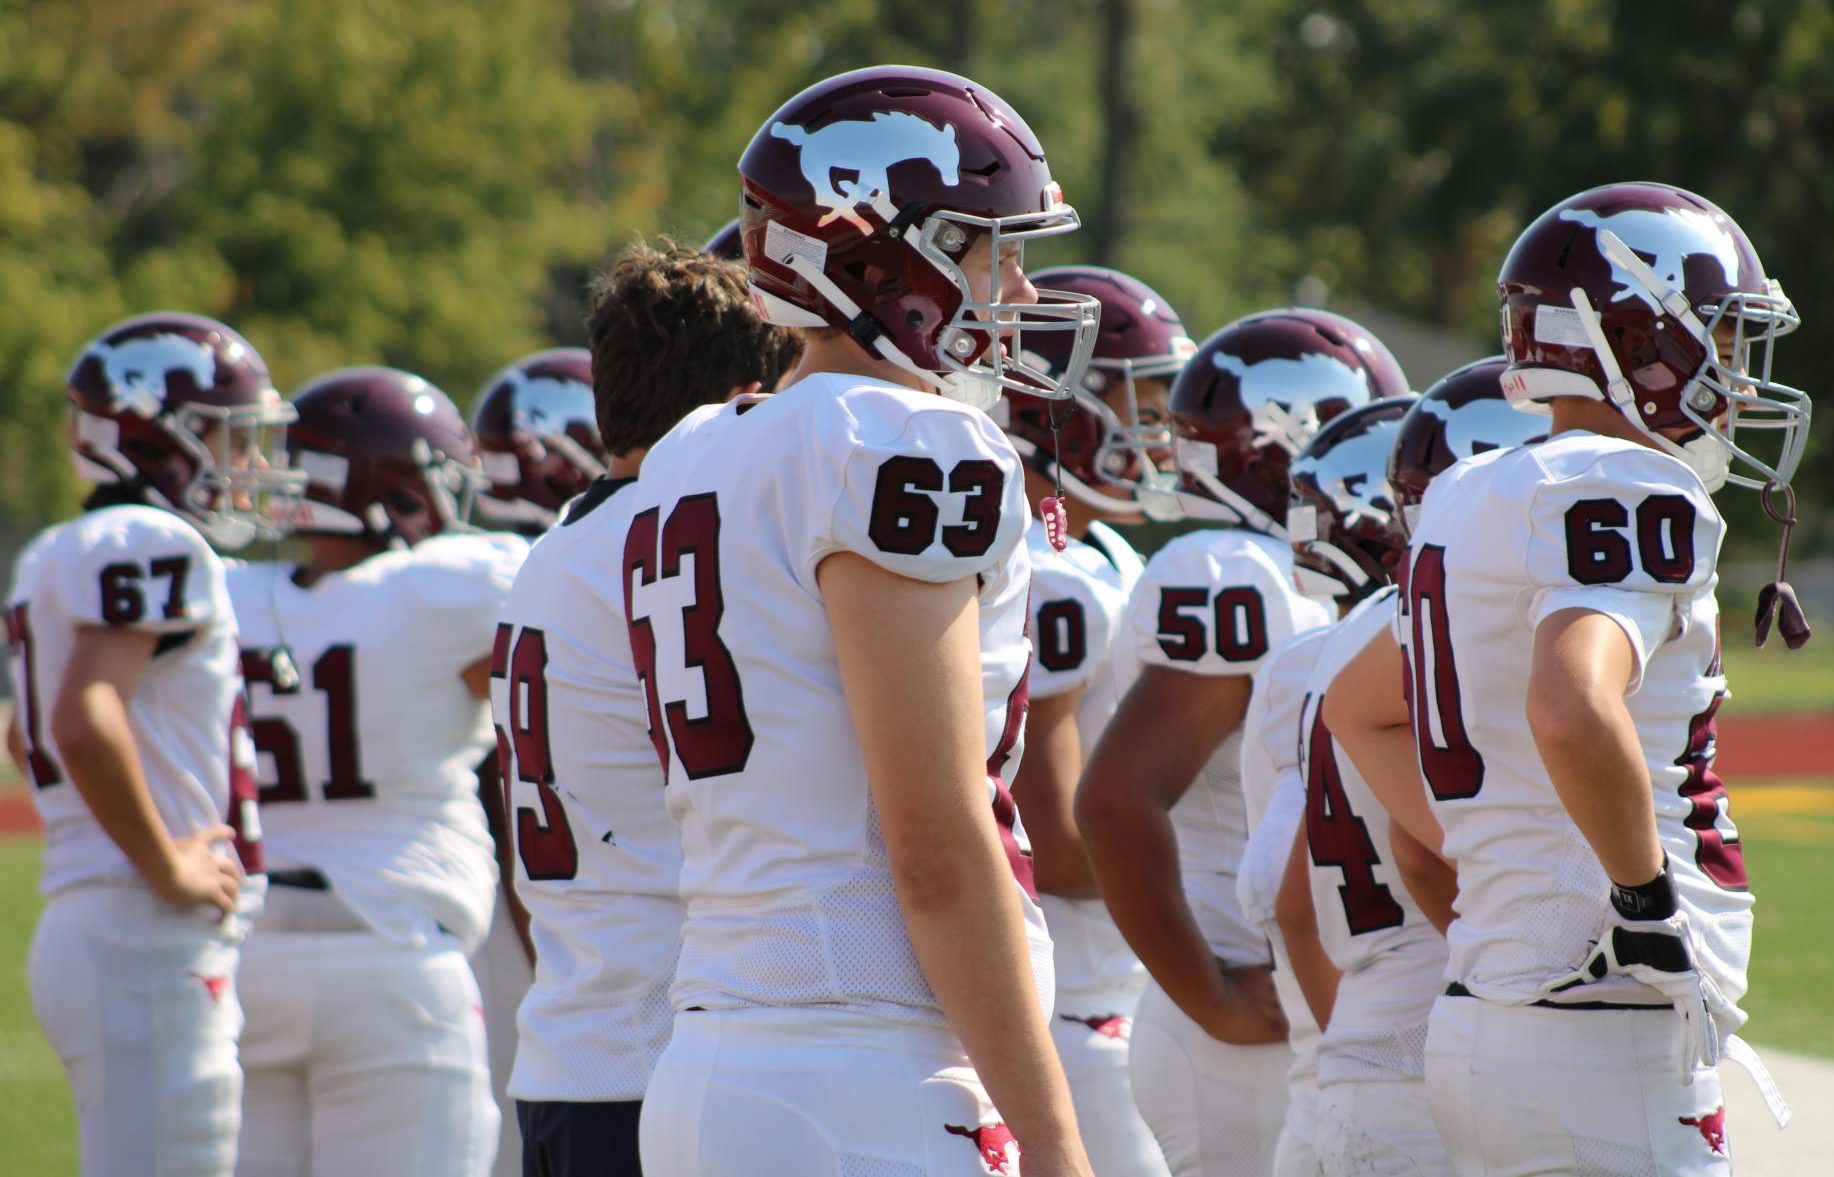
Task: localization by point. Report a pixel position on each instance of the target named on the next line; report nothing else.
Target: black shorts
(579, 1139)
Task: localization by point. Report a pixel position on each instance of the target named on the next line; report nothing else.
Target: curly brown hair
(672, 329)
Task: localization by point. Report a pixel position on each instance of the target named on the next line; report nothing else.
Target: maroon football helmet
(1465, 413)
(1618, 293)
(1102, 443)
(862, 197)
(1252, 397)
(180, 408)
(727, 243)
(386, 455)
(1342, 520)
(538, 436)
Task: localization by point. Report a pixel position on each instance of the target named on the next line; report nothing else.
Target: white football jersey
(1506, 539)
(135, 567)
(369, 749)
(1273, 794)
(1079, 597)
(597, 857)
(1393, 960)
(784, 870)
(1214, 603)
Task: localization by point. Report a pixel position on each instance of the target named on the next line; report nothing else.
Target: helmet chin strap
(1247, 514)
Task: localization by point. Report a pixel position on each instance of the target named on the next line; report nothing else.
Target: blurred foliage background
(427, 183)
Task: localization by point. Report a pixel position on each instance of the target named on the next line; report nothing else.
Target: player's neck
(1592, 416)
(839, 354)
(626, 465)
(330, 554)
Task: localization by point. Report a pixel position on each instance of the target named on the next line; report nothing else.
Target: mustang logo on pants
(999, 1151)
(1712, 1128)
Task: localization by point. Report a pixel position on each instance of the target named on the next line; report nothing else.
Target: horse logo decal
(1283, 395)
(136, 369)
(869, 148)
(547, 404)
(1484, 425)
(1667, 238)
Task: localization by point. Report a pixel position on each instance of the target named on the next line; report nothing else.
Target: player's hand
(1250, 1013)
(1647, 937)
(199, 876)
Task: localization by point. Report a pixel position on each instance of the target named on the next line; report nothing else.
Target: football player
(538, 439)
(1209, 1050)
(368, 664)
(595, 853)
(1273, 796)
(827, 599)
(1093, 451)
(130, 726)
(1603, 912)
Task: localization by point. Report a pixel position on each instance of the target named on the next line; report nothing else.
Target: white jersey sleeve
(1072, 619)
(1612, 532)
(142, 568)
(1218, 603)
(932, 492)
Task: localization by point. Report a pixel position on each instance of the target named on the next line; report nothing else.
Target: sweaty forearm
(97, 748)
(985, 988)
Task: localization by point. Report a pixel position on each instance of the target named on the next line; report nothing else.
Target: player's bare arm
(1045, 792)
(1124, 806)
(1583, 662)
(1368, 718)
(920, 733)
(1298, 920)
(90, 724)
(15, 743)
(1430, 879)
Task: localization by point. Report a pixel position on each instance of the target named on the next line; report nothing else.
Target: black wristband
(1654, 900)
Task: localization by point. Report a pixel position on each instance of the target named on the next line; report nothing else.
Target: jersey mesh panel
(1397, 1055)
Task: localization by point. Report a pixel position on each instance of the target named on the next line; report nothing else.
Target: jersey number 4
(1337, 837)
(335, 675)
(685, 548)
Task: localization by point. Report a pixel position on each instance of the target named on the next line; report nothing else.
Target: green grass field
(1774, 680)
(37, 1118)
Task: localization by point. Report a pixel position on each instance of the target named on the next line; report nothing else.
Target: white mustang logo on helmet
(1484, 425)
(1284, 395)
(869, 148)
(136, 368)
(1668, 238)
(545, 404)
(1345, 475)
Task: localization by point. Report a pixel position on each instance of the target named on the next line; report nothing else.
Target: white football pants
(1378, 1128)
(1519, 1090)
(1216, 1109)
(504, 976)
(1095, 1062)
(363, 1056)
(139, 1000)
(817, 1093)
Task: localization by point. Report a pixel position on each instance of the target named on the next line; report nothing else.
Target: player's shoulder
(1579, 466)
(130, 530)
(1222, 555)
(1119, 552)
(454, 570)
(1340, 643)
(1072, 572)
(1285, 672)
(246, 577)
